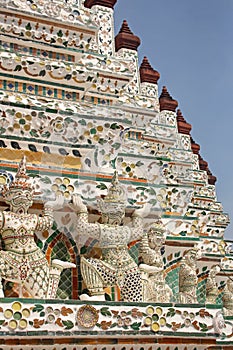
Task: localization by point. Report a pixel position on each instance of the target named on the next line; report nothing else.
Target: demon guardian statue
(116, 267)
(22, 261)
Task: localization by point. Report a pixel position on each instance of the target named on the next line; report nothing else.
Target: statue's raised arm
(45, 221)
(83, 226)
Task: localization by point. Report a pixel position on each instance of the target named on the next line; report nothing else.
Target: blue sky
(190, 44)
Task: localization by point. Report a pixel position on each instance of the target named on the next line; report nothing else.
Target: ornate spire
(183, 126)
(147, 73)
(106, 3)
(116, 192)
(195, 147)
(126, 39)
(166, 101)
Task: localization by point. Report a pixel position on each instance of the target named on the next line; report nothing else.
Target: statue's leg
(7, 272)
(57, 266)
(37, 281)
(146, 287)
(92, 277)
(97, 275)
(132, 288)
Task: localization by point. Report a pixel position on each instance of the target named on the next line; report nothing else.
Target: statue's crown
(116, 192)
(158, 226)
(21, 180)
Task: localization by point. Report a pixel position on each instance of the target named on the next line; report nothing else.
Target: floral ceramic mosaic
(80, 317)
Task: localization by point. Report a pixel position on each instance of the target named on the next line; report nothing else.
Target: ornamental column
(102, 16)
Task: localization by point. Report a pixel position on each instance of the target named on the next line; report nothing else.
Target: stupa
(140, 227)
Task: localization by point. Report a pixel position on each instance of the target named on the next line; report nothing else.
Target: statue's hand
(77, 204)
(144, 211)
(57, 204)
(149, 268)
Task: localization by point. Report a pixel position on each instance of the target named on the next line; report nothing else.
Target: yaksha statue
(211, 285)
(155, 288)
(188, 276)
(22, 261)
(116, 266)
(227, 298)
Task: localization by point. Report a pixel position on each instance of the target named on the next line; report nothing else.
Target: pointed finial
(211, 178)
(202, 163)
(147, 73)
(21, 180)
(21, 172)
(183, 126)
(166, 101)
(194, 146)
(125, 28)
(126, 39)
(105, 3)
(116, 192)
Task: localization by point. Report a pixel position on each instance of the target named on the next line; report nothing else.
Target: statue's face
(20, 200)
(155, 239)
(113, 213)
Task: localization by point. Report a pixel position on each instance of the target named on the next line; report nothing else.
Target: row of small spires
(127, 40)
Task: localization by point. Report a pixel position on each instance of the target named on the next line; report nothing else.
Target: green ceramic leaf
(113, 325)
(68, 324)
(18, 68)
(28, 26)
(132, 201)
(171, 312)
(38, 308)
(34, 133)
(105, 311)
(102, 186)
(42, 73)
(139, 163)
(116, 145)
(59, 33)
(136, 325)
(114, 126)
(46, 180)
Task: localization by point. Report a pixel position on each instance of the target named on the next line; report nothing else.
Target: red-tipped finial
(211, 178)
(183, 126)
(147, 73)
(195, 147)
(166, 101)
(202, 163)
(106, 3)
(126, 39)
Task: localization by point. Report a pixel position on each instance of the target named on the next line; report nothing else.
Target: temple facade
(112, 237)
